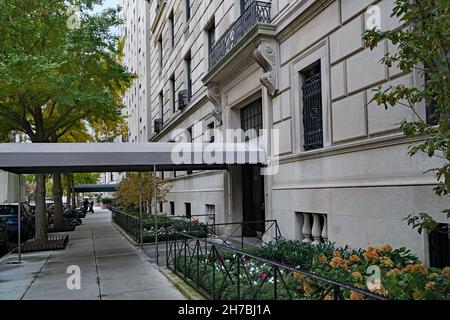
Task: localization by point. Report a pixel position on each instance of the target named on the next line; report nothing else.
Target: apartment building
(299, 67)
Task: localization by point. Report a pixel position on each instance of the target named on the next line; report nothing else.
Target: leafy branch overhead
(54, 77)
(422, 46)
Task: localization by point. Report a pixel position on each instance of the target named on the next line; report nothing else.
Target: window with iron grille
(312, 108)
(251, 118)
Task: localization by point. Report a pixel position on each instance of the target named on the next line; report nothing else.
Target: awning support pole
(155, 212)
(140, 211)
(19, 242)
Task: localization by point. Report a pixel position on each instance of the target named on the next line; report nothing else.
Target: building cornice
(351, 147)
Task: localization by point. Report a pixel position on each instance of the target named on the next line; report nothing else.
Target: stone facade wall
(362, 181)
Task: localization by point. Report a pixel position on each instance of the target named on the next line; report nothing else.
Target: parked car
(4, 238)
(9, 211)
(49, 209)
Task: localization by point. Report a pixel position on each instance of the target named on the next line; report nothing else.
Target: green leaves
(51, 77)
(423, 47)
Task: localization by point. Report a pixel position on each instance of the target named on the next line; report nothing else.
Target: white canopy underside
(121, 157)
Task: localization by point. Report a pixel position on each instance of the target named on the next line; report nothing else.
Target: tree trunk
(72, 186)
(57, 195)
(41, 214)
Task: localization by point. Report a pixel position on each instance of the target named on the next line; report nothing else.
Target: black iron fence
(232, 234)
(195, 225)
(256, 12)
(224, 273)
(130, 224)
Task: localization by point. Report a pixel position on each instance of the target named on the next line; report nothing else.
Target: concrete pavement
(111, 268)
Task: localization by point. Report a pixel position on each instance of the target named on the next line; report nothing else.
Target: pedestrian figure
(85, 205)
(92, 206)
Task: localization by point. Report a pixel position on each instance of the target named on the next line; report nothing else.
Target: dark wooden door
(253, 200)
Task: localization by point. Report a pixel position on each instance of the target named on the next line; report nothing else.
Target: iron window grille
(312, 109)
(439, 246)
(251, 119)
(183, 99)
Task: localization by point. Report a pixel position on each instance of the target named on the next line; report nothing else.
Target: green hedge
(403, 277)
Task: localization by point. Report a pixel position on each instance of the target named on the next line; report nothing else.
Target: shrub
(402, 275)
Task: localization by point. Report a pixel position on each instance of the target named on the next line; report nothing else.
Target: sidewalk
(111, 268)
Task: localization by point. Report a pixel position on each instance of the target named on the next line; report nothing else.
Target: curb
(189, 292)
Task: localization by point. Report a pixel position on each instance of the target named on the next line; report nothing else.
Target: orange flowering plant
(402, 276)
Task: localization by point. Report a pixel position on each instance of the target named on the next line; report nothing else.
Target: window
(187, 210)
(431, 116)
(172, 208)
(210, 209)
(188, 9)
(210, 132)
(172, 29)
(160, 52)
(312, 108)
(173, 93)
(189, 139)
(188, 62)
(439, 246)
(161, 107)
(211, 35)
(161, 207)
(251, 119)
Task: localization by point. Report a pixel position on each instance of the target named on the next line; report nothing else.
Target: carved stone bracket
(266, 55)
(215, 97)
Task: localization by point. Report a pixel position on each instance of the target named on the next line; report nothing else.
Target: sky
(106, 4)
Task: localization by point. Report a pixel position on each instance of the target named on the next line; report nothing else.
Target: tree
(423, 45)
(52, 77)
(129, 187)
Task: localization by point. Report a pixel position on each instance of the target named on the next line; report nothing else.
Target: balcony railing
(257, 12)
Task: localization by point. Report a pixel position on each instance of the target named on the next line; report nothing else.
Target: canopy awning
(25, 158)
(95, 188)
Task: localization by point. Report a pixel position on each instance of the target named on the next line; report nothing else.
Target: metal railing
(257, 12)
(128, 223)
(241, 240)
(221, 272)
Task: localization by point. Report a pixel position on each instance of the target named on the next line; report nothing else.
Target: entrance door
(253, 200)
